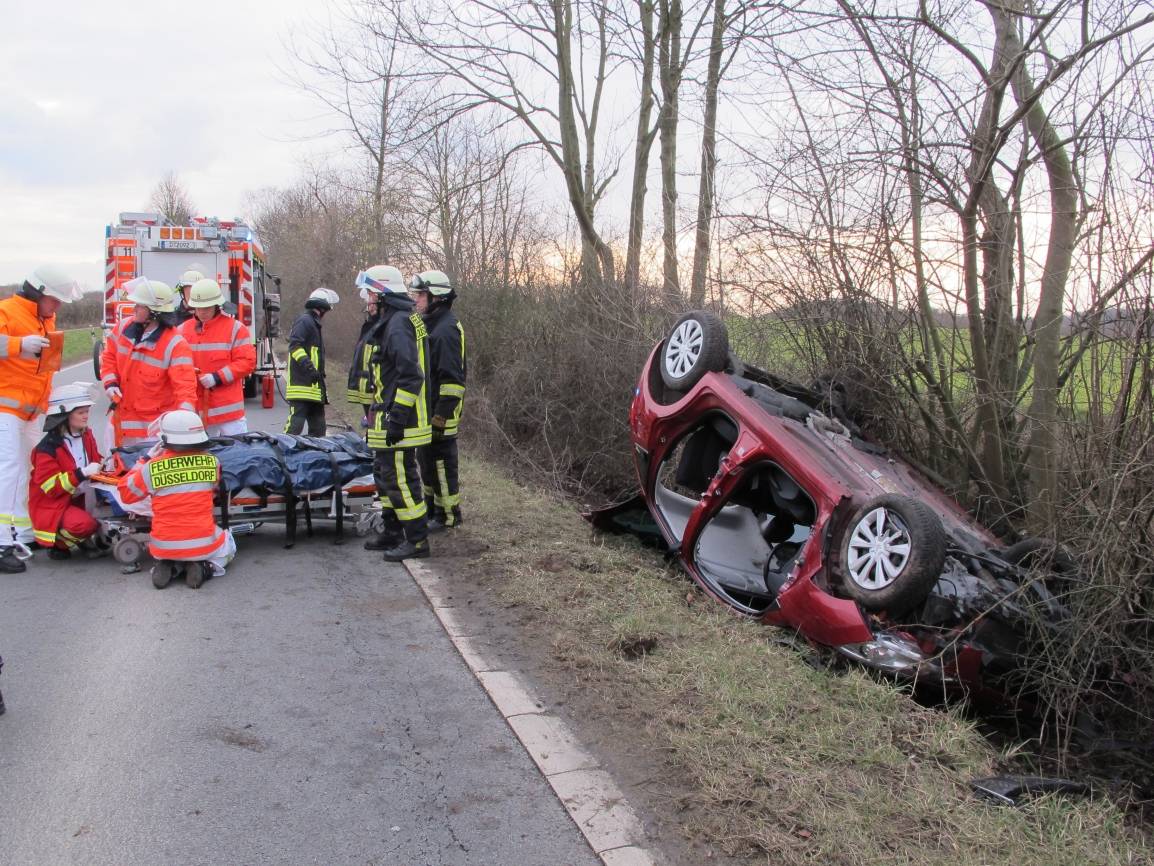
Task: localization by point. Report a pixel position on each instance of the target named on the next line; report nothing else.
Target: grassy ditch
(781, 763)
(78, 344)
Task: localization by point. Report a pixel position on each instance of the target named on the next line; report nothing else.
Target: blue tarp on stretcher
(261, 461)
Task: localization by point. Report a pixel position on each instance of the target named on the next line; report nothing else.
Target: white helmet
(436, 283)
(64, 399)
(189, 278)
(324, 298)
(380, 280)
(182, 427)
(205, 293)
(53, 282)
(155, 295)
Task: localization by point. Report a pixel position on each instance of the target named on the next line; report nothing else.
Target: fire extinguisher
(267, 392)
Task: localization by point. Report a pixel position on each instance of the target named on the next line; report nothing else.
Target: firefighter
(224, 354)
(65, 458)
(26, 318)
(187, 280)
(399, 415)
(147, 367)
(361, 387)
(180, 477)
(434, 296)
(306, 391)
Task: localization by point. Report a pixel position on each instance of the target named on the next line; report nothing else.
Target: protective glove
(157, 449)
(89, 470)
(394, 431)
(438, 425)
(208, 380)
(32, 345)
(114, 393)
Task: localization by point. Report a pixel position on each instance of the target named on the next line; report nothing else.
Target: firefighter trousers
(17, 439)
(399, 487)
(302, 411)
(76, 525)
(439, 472)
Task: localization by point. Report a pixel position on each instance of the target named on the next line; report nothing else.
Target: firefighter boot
(445, 520)
(1, 703)
(10, 563)
(408, 550)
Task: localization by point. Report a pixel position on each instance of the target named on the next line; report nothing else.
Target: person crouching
(63, 461)
(180, 477)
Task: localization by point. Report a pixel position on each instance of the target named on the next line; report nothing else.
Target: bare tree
(171, 198)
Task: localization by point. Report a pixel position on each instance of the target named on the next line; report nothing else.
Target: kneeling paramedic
(224, 355)
(26, 319)
(62, 463)
(399, 415)
(181, 477)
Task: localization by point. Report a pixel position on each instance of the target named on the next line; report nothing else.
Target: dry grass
(783, 763)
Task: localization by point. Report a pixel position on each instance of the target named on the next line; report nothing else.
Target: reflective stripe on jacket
(306, 367)
(53, 483)
(361, 386)
(23, 390)
(400, 370)
(447, 367)
(221, 346)
(181, 485)
(155, 375)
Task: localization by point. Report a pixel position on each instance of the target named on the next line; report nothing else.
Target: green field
(78, 344)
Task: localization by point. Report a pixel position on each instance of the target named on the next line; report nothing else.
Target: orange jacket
(181, 484)
(222, 346)
(155, 375)
(23, 391)
(52, 487)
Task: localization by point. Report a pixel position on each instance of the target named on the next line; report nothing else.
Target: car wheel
(892, 553)
(698, 344)
(97, 350)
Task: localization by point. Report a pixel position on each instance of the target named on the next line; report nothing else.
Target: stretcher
(290, 491)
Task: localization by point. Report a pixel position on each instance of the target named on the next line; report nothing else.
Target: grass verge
(78, 344)
(782, 763)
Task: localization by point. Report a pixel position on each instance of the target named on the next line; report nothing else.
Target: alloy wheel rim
(684, 348)
(879, 550)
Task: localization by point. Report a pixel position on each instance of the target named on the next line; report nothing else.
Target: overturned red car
(777, 507)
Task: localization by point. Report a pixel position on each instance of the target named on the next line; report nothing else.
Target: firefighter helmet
(182, 427)
(205, 293)
(380, 280)
(189, 278)
(324, 299)
(55, 283)
(155, 295)
(63, 400)
(436, 283)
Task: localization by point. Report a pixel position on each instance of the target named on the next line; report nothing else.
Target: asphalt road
(305, 708)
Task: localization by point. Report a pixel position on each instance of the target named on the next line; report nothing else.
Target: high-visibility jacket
(447, 366)
(223, 347)
(23, 391)
(306, 368)
(181, 484)
(400, 367)
(52, 486)
(361, 385)
(155, 375)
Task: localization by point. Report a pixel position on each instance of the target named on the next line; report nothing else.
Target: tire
(897, 573)
(97, 350)
(698, 344)
(195, 574)
(251, 387)
(1062, 572)
(127, 550)
(162, 574)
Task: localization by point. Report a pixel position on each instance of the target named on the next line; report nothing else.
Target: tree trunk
(642, 148)
(670, 62)
(708, 160)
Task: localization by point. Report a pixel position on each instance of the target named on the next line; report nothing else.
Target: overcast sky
(97, 102)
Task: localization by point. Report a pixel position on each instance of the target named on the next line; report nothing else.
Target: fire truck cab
(148, 244)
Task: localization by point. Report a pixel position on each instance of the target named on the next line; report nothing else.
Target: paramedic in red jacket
(224, 355)
(65, 458)
(147, 367)
(180, 477)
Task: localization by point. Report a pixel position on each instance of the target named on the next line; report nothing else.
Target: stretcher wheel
(162, 574)
(127, 550)
(196, 573)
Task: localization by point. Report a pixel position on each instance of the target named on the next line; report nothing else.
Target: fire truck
(148, 244)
